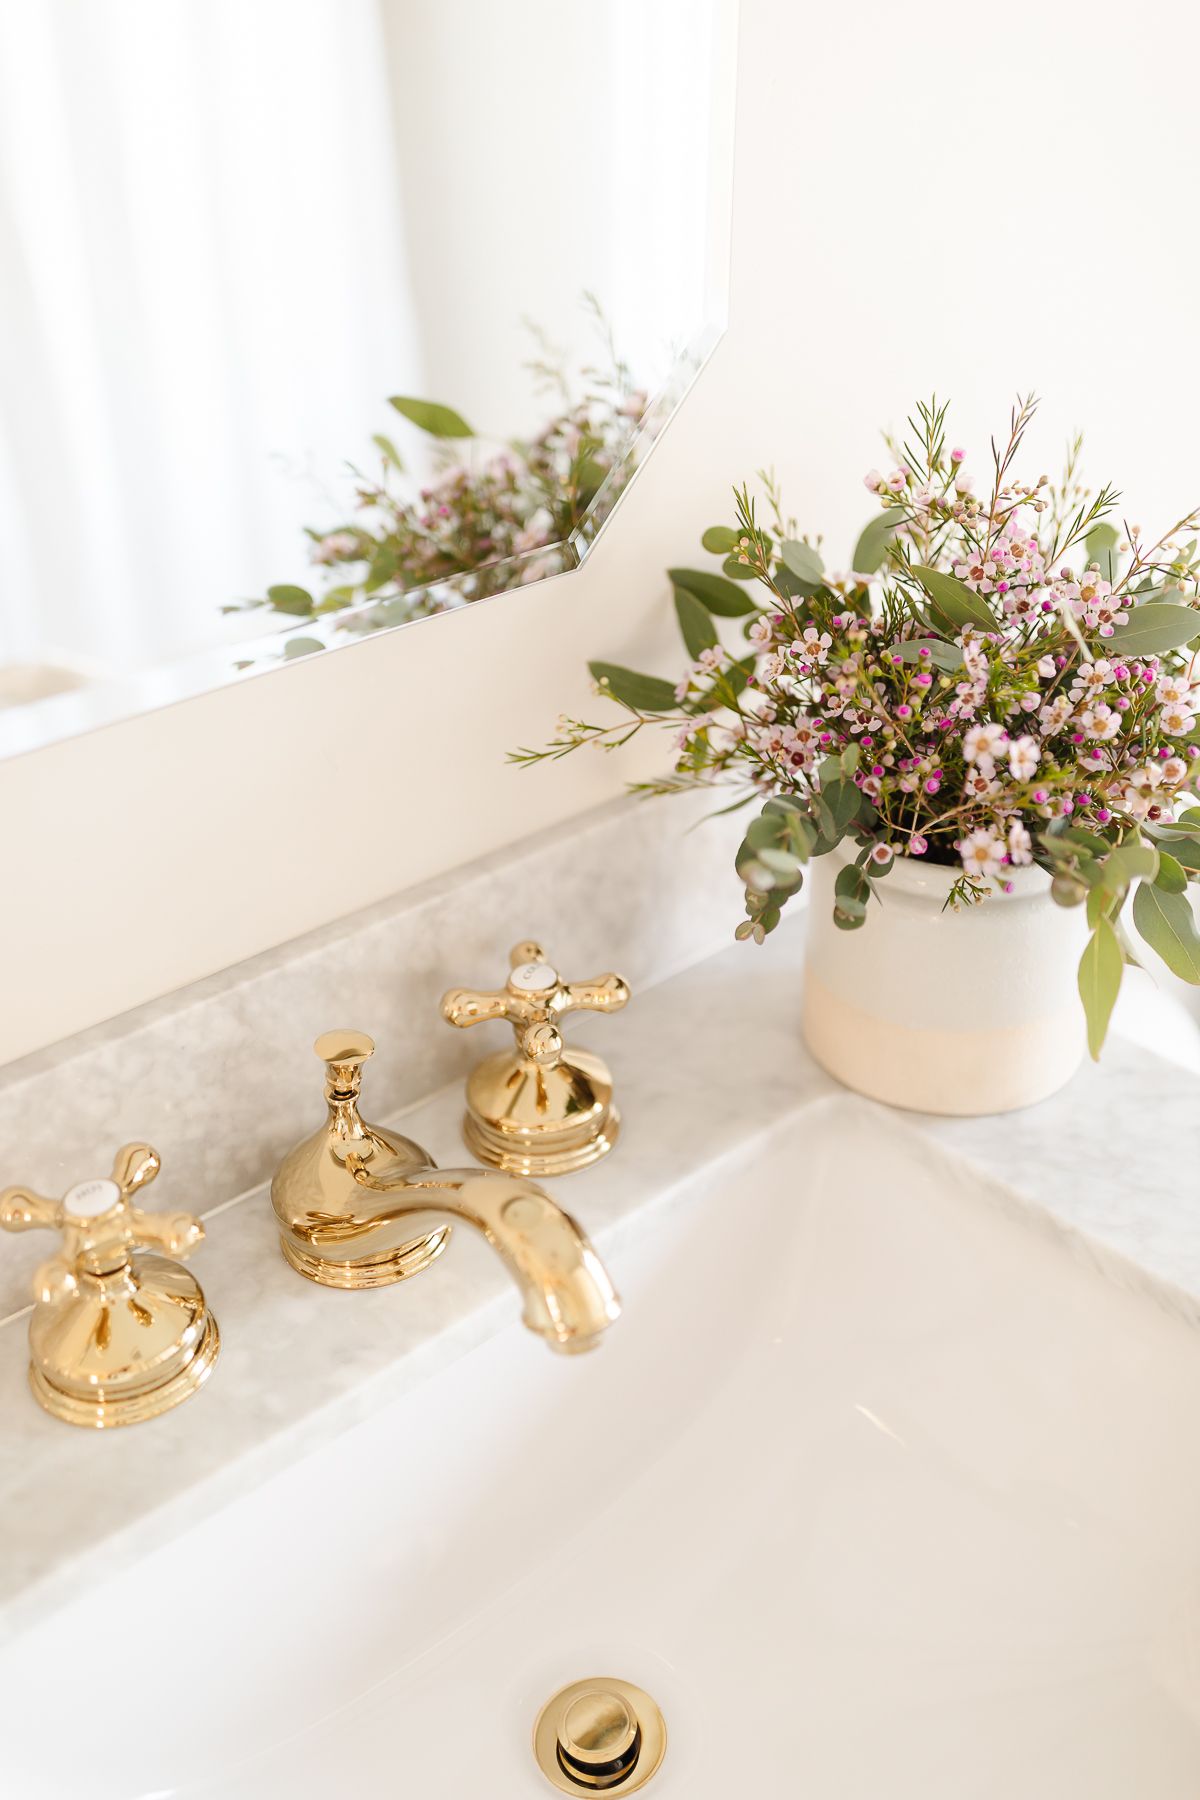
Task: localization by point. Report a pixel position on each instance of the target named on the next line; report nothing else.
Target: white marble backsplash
(220, 1077)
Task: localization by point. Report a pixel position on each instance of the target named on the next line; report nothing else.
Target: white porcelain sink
(880, 1492)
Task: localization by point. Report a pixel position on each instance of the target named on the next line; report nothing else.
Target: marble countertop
(705, 1063)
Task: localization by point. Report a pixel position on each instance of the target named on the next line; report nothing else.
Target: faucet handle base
(531, 1120)
(368, 1271)
(151, 1342)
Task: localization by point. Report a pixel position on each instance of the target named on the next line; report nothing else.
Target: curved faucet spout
(568, 1297)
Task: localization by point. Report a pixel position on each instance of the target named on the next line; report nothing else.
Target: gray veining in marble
(707, 1063)
(220, 1077)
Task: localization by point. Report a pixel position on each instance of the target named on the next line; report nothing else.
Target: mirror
(331, 315)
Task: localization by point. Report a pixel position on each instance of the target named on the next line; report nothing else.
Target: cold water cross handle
(121, 1331)
(101, 1226)
(533, 999)
(542, 1108)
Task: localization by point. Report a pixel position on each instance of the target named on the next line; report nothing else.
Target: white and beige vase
(974, 1011)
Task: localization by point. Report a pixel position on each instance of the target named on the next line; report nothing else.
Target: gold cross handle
(99, 1221)
(533, 999)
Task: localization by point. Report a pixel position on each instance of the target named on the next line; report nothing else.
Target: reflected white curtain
(201, 260)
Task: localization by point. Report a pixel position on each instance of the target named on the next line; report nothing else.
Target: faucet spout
(568, 1299)
(349, 1199)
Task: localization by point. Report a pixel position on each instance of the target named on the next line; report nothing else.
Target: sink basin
(878, 1488)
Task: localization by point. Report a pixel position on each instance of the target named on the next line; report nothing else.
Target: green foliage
(713, 591)
(851, 891)
(943, 656)
(872, 545)
(428, 415)
(1154, 627)
(641, 693)
(294, 600)
(388, 451)
(805, 564)
(1171, 876)
(695, 623)
(952, 603)
(720, 540)
(1165, 921)
(1100, 971)
(1101, 544)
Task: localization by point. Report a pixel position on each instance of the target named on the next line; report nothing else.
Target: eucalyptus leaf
(1165, 921)
(713, 591)
(1172, 876)
(874, 539)
(804, 562)
(1126, 864)
(438, 421)
(954, 601)
(738, 571)
(301, 646)
(294, 600)
(781, 863)
(1100, 969)
(1102, 541)
(1153, 628)
(1186, 851)
(388, 451)
(720, 539)
(695, 623)
(851, 884)
(943, 656)
(841, 799)
(781, 872)
(643, 693)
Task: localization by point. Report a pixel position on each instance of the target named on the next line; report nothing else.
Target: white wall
(925, 196)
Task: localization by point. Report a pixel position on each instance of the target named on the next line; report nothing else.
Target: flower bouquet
(997, 696)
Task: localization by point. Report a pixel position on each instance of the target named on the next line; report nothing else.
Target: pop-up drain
(599, 1737)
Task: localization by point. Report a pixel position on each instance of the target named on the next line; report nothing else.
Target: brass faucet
(359, 1206)
(539, 1107)
(118, 1333)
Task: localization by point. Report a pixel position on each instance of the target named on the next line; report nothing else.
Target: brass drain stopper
(599, 1737)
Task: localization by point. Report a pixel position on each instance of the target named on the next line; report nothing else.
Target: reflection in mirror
(331, 316)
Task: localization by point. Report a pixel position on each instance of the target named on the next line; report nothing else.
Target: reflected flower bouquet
(494, 512)
(995, 681)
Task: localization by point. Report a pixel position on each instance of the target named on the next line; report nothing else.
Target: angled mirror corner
(331, 319)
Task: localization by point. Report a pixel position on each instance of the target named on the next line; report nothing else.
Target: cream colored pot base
(994, 1070)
